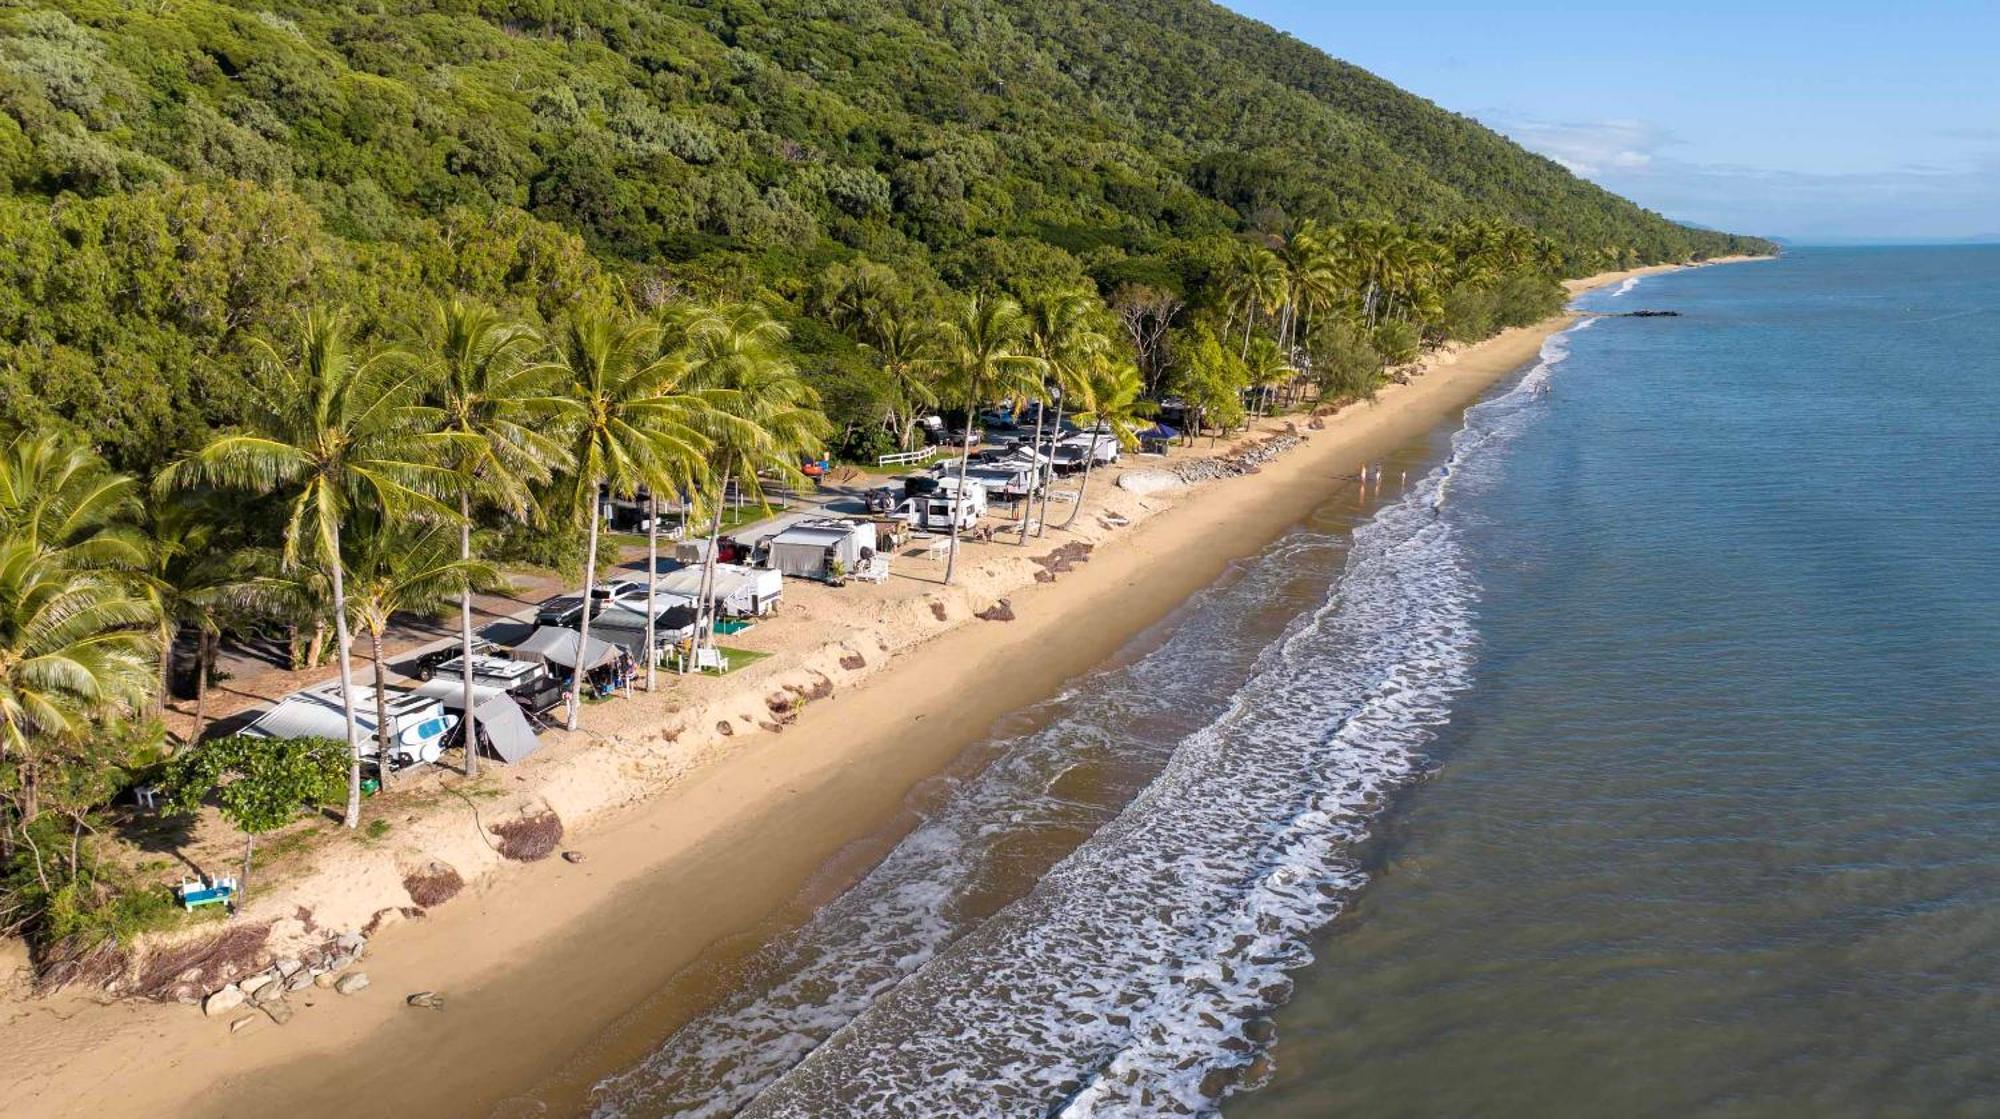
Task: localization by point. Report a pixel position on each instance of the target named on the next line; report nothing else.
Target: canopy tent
(558, 647)
(1158, 433)
(502, 726)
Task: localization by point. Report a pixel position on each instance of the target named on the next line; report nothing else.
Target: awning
(558, 647)
(1158, 432)
(500, 724)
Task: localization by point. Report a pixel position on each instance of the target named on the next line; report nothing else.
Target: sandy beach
(697, 842)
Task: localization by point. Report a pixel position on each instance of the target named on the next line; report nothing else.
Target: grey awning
(558, 647)
(505, 730)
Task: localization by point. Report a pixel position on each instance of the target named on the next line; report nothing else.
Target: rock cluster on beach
(265, 991)
(1246, 461)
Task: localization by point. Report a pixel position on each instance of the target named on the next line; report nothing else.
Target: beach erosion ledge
(708, 815)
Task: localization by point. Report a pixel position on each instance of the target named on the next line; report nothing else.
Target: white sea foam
(1134, 978)
(1630, 283)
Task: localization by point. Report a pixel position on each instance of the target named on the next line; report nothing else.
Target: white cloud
(1590, 147)
(1633, 158)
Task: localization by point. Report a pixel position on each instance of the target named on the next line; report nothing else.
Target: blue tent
(1159, 433)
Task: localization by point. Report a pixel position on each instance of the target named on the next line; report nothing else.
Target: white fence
(907, 458)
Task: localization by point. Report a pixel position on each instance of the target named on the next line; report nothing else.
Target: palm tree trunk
(168, 632)
(958, 499)
(382, 737)
(204, 656)
(578, 675)
(353, 818)
(1083, 486)
(652, 587)
(1034, 475)
(704, 607)
(1048, 487)
(468, 722)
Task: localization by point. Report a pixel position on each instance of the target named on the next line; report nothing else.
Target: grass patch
(740, 658)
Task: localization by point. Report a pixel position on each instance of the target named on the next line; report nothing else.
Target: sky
(1826, 121)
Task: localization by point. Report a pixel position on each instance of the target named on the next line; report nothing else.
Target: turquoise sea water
(1718, 829)
(1627, 750)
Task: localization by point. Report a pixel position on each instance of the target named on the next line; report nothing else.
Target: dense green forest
(183, 174)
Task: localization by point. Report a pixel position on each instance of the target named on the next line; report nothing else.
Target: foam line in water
(1133, 978)
(1630, 283)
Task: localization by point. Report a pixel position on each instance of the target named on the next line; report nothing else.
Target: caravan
(931, 507)
(418, 725)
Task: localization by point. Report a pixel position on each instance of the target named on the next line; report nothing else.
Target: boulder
(257, 982)
(300, 981)
(279, 1010)
(572, 856)
(325, 979)
(352, 984)
(429, 1000)
(222, 1002)
(243, 1023)
(290, 966)
(1143, 482)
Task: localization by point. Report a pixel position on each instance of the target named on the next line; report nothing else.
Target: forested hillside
(183, 174)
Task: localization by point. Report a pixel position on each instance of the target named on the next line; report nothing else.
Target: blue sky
(1813, 121)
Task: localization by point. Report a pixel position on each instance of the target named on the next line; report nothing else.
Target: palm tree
(197, 577)
(396, 568)
(763, 418)
(336, 431)
(1063, 333)
(1116, 399)
(76, 641)
(76, 646)
(899, 342)
(981, 360)
(1257, 283)
(57, 496)
(1266, 366)
(495, 405)
(632, 424)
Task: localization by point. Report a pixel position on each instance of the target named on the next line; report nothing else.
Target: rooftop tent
(558, 647)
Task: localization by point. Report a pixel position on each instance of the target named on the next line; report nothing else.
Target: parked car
(564, 611)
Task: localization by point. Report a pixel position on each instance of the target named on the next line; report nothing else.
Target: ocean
(1626, 748)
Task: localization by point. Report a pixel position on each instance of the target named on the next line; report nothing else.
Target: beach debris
(433, 884)
(427, 1000)
(188, 970)
(222, 1002)
(352, 984)
(1001, 611)
(937, 611)
(724, 729)
(243, 1023)
(530, 837)
(385, 917)
(278, 1010)
(1061, 560)
(572, 856)
(853, 661)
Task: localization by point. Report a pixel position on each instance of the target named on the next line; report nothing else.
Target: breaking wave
(1135, 977)
(1630, 283)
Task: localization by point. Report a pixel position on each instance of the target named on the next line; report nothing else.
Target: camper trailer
(933, 507)
(528, 682)
(418, 725)
(823, 548)
(739, 591)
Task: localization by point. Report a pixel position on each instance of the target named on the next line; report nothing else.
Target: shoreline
(557, 973)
